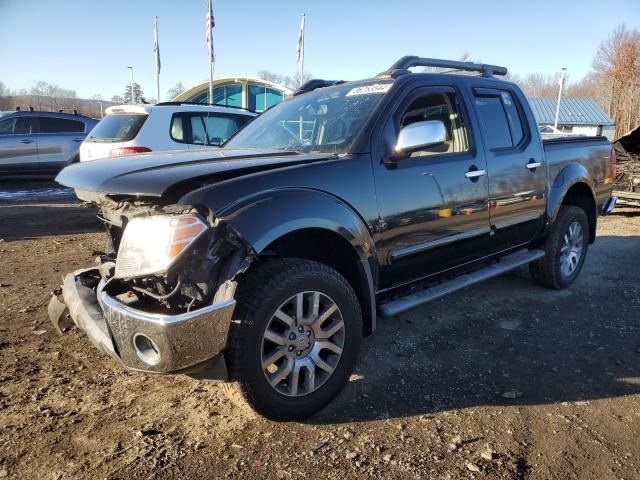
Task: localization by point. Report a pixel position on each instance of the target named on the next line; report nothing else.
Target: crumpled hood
(152, 174)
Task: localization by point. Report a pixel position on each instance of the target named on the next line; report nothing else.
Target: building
(580, 116)
(251, 93)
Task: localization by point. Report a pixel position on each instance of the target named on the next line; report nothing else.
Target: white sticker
(369, 89)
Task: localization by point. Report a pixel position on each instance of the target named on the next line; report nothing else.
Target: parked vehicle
(40, 144)
(265, 262)
(131, 129)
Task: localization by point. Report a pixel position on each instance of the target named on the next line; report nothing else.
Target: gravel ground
(502, 380)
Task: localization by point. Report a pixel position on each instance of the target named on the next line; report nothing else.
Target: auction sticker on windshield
(369, 89)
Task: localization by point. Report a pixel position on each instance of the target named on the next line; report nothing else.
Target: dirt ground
(502, 380)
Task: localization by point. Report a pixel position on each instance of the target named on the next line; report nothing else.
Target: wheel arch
(313, 225)
(573, 186)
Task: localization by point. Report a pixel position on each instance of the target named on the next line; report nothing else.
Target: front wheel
(295, 337)
(565, 250)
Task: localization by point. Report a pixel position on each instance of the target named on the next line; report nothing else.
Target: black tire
(260, 293)
(547, 271)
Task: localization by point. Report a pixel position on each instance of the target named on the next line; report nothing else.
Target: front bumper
(144, 341)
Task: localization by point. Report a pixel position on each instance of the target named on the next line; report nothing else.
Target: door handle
(532, 165)
(27, 140)
(474, 173)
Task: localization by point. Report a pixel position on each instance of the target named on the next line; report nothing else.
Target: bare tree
(176, 90)
(289, 81)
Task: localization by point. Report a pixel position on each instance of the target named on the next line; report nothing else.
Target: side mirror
(419, 135)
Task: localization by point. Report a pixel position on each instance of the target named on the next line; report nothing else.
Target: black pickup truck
(264, 262)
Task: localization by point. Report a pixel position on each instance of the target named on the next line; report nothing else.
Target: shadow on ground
(506, 342)
(24, 221)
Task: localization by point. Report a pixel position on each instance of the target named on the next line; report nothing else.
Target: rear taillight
(613, 164)
(122, 151)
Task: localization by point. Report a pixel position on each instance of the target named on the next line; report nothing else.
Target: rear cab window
(117, 127)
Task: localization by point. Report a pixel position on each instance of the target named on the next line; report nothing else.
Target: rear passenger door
(58, 142)
(18, 146)
(515, 167)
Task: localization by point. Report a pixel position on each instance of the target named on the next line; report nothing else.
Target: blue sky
(86, 45)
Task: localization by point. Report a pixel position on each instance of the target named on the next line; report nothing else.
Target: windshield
(324, 120)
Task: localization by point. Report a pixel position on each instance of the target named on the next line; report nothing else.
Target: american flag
(210, 24)
(156, 46)
(300, 48)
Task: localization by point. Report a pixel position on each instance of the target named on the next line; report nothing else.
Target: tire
(270, 293)
(552, 271)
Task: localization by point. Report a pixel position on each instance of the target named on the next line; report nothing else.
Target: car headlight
(150, 245)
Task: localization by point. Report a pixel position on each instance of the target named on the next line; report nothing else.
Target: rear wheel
(565, 250)
(295, 337)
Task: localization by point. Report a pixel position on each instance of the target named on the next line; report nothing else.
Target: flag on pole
(300, 48)
(210, 24)
(156, 45)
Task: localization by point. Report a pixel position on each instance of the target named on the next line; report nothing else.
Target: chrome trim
(403, 252)
(474, 173)
(527, 217)
(533, 165)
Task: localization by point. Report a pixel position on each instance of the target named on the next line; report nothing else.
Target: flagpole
(210, 53)
(302, 56)
(155, 29)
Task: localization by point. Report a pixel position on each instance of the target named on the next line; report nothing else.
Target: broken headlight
(150, 245)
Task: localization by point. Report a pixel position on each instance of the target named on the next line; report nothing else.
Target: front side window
(221, 127)
(444, 108)
(324, 120)
(15, 126)
(60, 125)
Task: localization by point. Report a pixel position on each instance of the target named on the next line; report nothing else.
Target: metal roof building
(581, 116)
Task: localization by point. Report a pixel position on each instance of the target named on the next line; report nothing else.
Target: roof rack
(402, 66)
(161, 104)
(316, 83)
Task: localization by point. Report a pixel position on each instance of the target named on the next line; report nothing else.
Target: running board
(509, 262)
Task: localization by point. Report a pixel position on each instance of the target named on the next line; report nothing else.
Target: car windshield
(324, 120)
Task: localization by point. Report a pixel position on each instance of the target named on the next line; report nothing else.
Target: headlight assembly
(150, 245)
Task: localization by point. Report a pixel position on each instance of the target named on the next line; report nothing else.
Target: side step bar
(509, 262)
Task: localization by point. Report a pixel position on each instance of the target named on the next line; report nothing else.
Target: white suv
(131, 129)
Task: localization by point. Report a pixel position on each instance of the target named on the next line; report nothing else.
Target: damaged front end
(164, 303)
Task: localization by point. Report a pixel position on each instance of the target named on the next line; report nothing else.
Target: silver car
(40, 144)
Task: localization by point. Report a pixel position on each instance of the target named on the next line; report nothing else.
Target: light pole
(133, 96)
(562, 70)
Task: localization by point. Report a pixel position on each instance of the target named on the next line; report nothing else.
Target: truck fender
(268, 216)
(568, 176)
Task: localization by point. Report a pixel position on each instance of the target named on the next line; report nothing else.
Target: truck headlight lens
(150, 245)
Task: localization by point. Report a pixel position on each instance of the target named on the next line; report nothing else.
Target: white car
(131, 129)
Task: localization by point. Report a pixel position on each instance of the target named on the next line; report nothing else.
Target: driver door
(433, 203)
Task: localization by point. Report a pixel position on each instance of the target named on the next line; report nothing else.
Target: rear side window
(117, 128)
(15, 126)
(494, 122)
(60, 125)
(500, 116)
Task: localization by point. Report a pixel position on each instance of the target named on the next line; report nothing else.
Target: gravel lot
(502, 380)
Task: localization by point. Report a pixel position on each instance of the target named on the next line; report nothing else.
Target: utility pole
(133, 95)
(562, 70)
